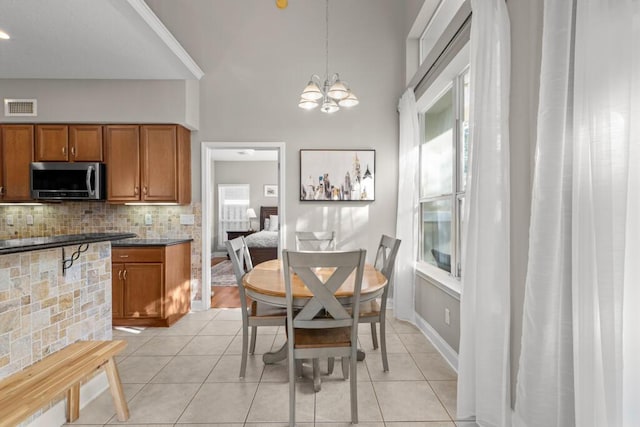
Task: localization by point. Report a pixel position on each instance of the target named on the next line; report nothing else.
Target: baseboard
(56, 415)
(438, 342)
(198, 305)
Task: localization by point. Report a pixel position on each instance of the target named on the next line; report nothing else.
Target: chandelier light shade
(330, 94)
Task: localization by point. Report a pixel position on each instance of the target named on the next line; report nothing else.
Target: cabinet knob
(1, 191)
(144, 189)
(135, 190)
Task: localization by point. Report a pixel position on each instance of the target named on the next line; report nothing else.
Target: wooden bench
(24, 392)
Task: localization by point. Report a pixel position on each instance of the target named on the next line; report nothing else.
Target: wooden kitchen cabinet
(16, 155)
(151, 286)
(85, 143)
(122, 155)
(68, 143)
(152, 165)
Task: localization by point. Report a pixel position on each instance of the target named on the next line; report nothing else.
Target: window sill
(440, 279)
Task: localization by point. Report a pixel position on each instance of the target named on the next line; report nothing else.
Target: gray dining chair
(315, 240)
(323, 327)
(374, 311)
(258, 314)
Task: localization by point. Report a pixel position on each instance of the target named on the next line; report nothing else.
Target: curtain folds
(483, 364)
(407, 216)
(545, 375)
(580, 345)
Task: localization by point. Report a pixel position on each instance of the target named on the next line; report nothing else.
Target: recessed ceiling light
(4, 36)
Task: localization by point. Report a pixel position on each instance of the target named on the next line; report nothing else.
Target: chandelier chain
(327, 38)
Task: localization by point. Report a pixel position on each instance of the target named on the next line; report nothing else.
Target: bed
(263, 245)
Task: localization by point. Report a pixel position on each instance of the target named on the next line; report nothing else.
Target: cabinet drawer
(137, 254)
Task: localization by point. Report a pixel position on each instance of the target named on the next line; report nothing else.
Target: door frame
(207, 157)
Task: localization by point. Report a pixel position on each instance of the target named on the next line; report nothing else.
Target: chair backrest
(386, 259)
(304, 265)
(241, 261)
(315, 240)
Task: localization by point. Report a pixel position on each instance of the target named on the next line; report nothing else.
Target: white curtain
(406, 223)
(545, 375)
(606, 118)
(483, 364)
(598, 251)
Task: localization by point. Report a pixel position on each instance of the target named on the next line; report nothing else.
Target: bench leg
(115, 386)
(73, 403)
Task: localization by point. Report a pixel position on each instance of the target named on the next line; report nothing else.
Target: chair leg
(316, 375)
(292, 389)
(330, 363)
(374, 336)
(245, 345)
(254, 335)
(345, 368)
(298, 368)
(383, 345)
(354, 391)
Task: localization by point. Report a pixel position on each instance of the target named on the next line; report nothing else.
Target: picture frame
(270, 190)
(337, 175)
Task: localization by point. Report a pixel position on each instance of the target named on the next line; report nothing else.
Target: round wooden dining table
(265, 283)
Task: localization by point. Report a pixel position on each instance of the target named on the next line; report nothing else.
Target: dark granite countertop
(36, 243)
(128, 243)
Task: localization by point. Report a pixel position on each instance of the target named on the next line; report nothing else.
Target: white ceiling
(89, 39)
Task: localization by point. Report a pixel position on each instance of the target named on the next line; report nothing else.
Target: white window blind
(233, 202)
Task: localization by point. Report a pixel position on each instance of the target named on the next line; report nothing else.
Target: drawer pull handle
(119, 274)
(125, 275)
(64, 151)
(124, 256)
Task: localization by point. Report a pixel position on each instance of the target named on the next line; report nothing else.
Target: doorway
(211, 152)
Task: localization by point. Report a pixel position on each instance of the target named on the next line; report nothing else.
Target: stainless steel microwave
(68, 181)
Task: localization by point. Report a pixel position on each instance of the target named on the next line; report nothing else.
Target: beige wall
(257, 59)
(526, 45)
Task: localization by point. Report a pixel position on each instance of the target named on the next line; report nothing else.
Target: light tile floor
(187, 375)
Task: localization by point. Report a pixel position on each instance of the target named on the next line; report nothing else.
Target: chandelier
(331, 94)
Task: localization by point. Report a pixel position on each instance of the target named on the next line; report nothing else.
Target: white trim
(438, 342)
(56, 415)
(207, 149)
(165, 35)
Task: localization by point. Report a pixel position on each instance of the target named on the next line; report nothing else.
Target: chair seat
(265, 310)
(370, 308)
(319, 338)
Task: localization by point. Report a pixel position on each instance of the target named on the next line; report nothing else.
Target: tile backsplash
(99, 217)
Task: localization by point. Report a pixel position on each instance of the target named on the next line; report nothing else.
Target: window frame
(458, 190)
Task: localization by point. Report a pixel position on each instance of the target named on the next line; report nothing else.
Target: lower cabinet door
(117, 284)
(143, 290)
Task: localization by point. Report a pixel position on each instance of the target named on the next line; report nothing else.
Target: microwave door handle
(89, 172)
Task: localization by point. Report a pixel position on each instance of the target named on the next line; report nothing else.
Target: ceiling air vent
(20, 107)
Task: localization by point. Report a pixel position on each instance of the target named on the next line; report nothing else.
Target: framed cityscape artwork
(337, 175)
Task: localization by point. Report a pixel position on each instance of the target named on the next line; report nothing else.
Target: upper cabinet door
(52, 143)
(122, 152)
(159, 163)
(16, 156)
(85, 143)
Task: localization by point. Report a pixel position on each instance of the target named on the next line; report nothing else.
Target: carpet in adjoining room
(222, 274)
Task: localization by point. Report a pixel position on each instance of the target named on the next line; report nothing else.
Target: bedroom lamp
(331, 94)
(251, 214)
